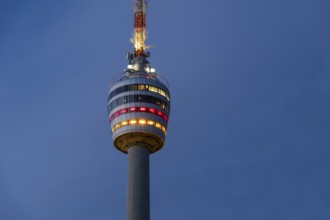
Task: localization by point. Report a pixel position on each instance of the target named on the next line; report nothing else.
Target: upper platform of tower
(139, 67)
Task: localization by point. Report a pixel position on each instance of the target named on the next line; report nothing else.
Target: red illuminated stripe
(139, 109)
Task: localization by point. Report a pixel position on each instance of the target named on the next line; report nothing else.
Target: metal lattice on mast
(140, 27)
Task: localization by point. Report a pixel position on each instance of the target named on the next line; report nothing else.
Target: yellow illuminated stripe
(138, 122)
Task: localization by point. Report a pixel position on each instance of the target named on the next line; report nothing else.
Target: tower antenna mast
(140, 11)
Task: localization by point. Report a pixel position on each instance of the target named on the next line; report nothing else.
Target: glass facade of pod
(139, 98)
(139, 87)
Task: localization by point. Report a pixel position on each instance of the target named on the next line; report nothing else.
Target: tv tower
(139, 108)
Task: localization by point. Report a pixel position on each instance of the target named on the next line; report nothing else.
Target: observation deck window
(139, 87)
(139, 98)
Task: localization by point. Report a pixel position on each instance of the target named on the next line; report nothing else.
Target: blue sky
(249, 130)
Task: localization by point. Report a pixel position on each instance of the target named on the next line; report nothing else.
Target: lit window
(143, 109)
(151, 122)
(153, 89)
(123, 111)
(132, 109)
(158, 125)
(141, 87)
(165, 117)
(152, 110)
(160, 113)
(142, 122)
(123, 123)
(132, 121)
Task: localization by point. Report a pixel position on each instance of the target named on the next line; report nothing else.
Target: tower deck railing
(128, 75)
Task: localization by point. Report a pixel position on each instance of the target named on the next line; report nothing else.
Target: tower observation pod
(139, 108)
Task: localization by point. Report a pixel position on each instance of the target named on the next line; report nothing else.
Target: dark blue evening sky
(249, 131)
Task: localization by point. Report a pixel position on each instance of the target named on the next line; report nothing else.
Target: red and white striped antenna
(140, 36)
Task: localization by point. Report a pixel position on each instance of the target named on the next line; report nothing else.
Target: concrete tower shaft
(138, 198)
